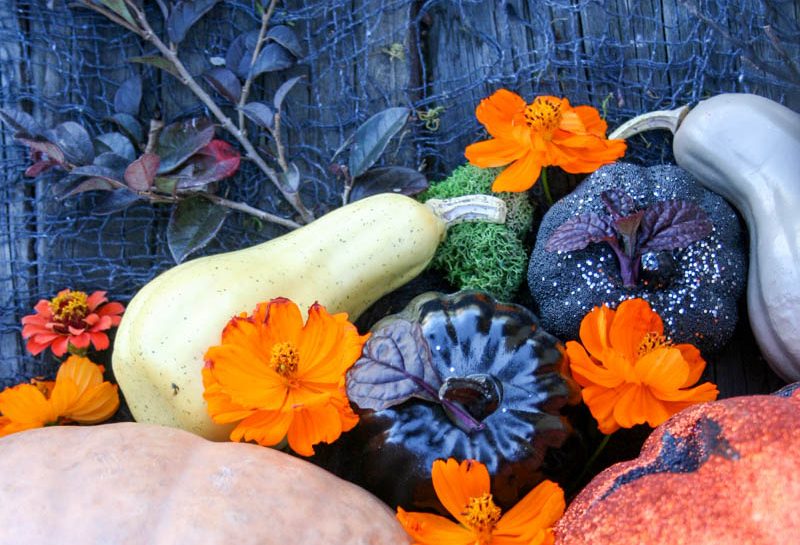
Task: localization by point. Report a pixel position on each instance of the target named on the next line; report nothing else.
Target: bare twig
(170, 54)
(111, 16)
(247, 209)
(248, 82)
(276, 134)
(164, 10)
(152, 136)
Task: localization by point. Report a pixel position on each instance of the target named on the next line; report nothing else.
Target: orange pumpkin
(140, 484)
(721, 473)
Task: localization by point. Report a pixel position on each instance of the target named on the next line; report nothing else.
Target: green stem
(546, 187)
(75, 351)
(591, 462)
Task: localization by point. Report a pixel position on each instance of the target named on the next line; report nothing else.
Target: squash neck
(468, 208)
(662, 119)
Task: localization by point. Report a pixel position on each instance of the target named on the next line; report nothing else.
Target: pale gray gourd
(747, 149)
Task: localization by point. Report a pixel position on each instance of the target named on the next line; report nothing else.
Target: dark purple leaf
(193, 224)
(401, 180)
(371, 138)
(40, 166)
(158, 62)
(395, 365)
(240, 53)
(627, 226)
(184, 14)
(74, 141)
(50, 150)
(215, 162)
(22, 123)
(115, 162)
(129, 96)
(283, 90)
(225, 82)
(117, 200)
(668, 225)
(129, 126)
(271, 58)
(578, 232)
(285, 36)
(617, 202)
(180, 140)
(114, 142)
(260, 113)
(140, 174)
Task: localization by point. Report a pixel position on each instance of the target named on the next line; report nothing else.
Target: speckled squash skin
(345, 260)
(138, 484)
(721, 473)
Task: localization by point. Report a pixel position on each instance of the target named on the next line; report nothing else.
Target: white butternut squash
(345, 260)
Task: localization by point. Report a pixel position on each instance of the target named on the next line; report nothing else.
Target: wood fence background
(364, 55)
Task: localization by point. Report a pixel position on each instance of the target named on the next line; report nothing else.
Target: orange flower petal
(586, 371)
(312, 426)
(595, 329)
(25, 404)
(631, 407)
(601, 402)
(520, 175)
(537, 511)
(267, 428)
(246, 377)
(590, 119)
(427, 529)
(96, 405)
(498, 111)
(456, 483)
(284, 320)
(494, 153)
(663, 368)
(633, 320)
(695, 362)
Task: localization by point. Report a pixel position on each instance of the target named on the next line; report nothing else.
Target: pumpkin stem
(662, 119)
(469, 208)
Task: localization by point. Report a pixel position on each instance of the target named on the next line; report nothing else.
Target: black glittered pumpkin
(495, 394)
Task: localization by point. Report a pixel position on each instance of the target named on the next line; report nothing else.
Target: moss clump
(483, 255)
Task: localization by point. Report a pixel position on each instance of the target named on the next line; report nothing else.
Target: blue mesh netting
(65, 63)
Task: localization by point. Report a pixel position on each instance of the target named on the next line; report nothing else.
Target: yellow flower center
(284, 359)
(651, 342)
(70, 306)
(482, 516)
(543, 115)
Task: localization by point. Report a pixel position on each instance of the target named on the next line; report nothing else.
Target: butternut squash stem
(662, 119)
(469, 208)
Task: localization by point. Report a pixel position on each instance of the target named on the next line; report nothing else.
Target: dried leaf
(668, 225)
(396, 365)
(578, 232)
(74, 141)
(193, 224)
(184, 15)
(259, 113)
(285, 36)
(225, 82)
(401, 180)
(179, 141)
(283, 90)
(140, 174)
(271, 58)
(128, 97)
(51, 150)
(371, 138)
(291, 179)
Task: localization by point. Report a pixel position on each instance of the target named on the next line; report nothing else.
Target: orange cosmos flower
(464, 491)
(632, 374)
(78, 394)
(280, 379)
(71, 319)
(546, 132)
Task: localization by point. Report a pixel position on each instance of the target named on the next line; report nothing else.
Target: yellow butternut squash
(345, 260)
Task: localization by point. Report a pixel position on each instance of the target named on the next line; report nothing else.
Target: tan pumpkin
(149, 485)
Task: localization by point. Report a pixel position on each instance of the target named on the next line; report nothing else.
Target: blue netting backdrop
(438, 57)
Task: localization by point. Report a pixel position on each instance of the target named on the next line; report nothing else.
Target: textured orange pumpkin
(722, 473)
(139, 484)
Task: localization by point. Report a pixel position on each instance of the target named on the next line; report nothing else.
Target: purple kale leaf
(578, 232)
(668, 225)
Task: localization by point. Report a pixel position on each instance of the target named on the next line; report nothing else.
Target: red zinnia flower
(71, 318)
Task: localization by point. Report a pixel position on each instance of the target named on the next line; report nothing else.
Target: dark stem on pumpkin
(466, 421)
(628, 265)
